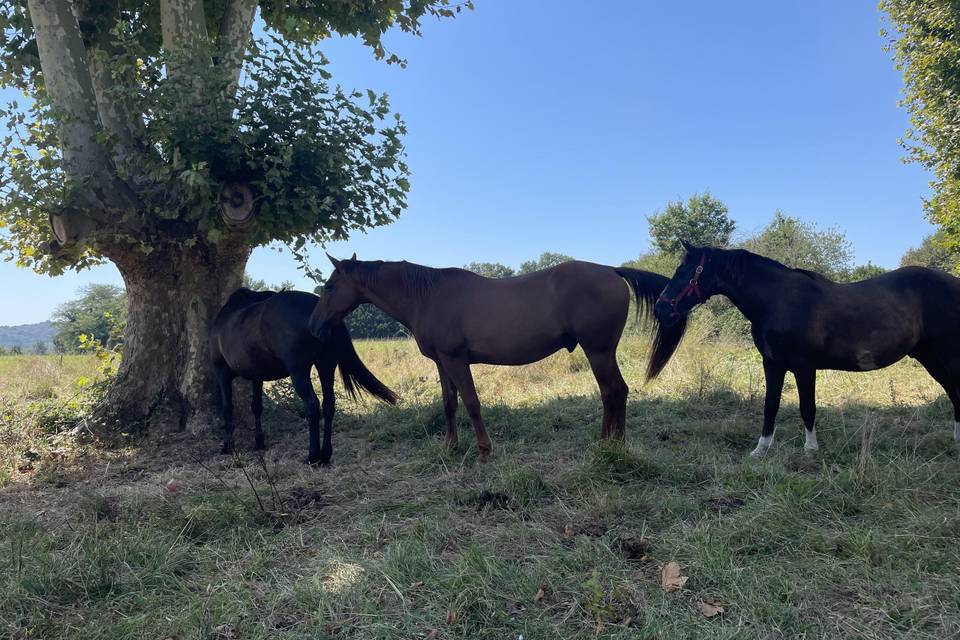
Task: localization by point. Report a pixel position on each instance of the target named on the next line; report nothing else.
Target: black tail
(647, 287)
(353, 372)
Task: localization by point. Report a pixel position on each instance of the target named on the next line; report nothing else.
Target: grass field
(557, 537)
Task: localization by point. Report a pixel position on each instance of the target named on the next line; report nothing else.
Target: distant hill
(26, 335)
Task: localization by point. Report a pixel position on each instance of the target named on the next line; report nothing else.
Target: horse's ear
(686, 245)
(333, 261)
(354, 256)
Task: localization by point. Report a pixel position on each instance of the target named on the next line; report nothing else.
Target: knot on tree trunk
(70, 226)
(236, 204)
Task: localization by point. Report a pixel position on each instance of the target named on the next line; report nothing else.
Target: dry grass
(557, 537)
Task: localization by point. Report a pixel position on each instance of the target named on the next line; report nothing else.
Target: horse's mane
(740, 259)
(416, 280)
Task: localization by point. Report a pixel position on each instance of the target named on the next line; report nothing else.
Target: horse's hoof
(762, 447)
(484, 457)
(318, 462)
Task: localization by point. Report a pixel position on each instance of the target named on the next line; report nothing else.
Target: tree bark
(173, 296)
(67, 81)
(234, 37)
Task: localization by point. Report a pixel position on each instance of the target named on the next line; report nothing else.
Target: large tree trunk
(174, 294)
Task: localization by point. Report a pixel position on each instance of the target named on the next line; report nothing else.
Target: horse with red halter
(459, 318)
(802, 321)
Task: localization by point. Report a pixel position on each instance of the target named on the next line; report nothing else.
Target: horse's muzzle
(319, 328)
(666, 314)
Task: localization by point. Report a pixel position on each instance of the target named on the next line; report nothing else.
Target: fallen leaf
(710, 608)
(670, 578)
(172, 485)
(515, 608)
(540, 595)
(451, 617)
(568, 532)
(225, 632)
(417, 585)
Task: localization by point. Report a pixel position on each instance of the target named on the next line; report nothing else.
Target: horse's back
(263, 337)
(525, 318)
(936, 293)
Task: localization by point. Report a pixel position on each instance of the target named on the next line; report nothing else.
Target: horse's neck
(388, 293)
(752, 287)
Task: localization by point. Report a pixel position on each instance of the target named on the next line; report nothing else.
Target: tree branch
(68, 84)
(235, 29)
(124, 126)
(185, 36)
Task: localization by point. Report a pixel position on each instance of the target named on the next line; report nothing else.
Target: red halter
(692, 287)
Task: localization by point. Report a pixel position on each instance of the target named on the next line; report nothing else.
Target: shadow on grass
(667, 437)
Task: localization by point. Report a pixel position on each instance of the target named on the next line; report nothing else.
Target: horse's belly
(517, 352)
(863, 360)
(258, 368)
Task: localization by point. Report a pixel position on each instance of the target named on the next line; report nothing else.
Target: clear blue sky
(542, 126)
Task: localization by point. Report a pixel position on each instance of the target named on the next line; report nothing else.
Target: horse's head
(342, 293)
(692, 283)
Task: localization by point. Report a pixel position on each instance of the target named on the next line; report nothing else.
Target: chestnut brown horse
(459, 318)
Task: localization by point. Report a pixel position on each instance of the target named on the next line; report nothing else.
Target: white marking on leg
(956, 431)
(762, 445)
(811, 444)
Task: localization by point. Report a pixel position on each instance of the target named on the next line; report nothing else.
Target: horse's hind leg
(807, 390)
(304, 389)
(449, 391)
(949, 383)
(256, 406)
(774, 374)
(459, 372)
(613, 393)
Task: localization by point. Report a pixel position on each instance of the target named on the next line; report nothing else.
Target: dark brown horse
(459, 318)
(262, 335)
(802, 321)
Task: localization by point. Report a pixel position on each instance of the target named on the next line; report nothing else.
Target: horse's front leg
(774, 374)
(807, 390)
(459, 372)
(304, 389)
(329, 408)
(225, 384)
(256, 406)
(449, 391)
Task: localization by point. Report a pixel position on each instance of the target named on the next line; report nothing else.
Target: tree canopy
(545, 261)
(925, 42)
(931, 253)
(702, 220)
(94, 314)
(490, 269)
(140, 129)
(802, 245)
